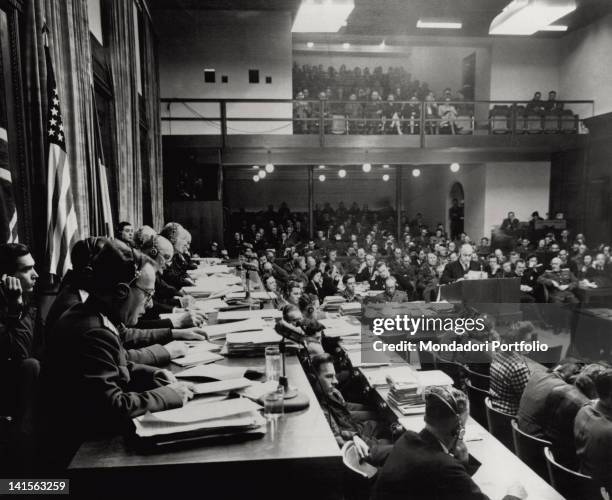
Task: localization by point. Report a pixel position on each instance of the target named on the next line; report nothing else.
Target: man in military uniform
(427, 278)
(405, 275)
(560, 283)
(88, 382)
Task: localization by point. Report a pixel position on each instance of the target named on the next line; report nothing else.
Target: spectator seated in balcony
(448, 115)
(391, 116)
(536, 105)
(373, 113)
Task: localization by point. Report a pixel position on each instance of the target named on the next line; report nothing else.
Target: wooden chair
(479, 380)
(571, 484)
(499, 425)
(477, 398)
(530, 450)
(427, 360)
(453, 369)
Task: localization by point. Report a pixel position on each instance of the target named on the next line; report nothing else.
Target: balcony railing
(223, 117)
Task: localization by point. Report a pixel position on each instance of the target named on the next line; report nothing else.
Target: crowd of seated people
(534, 117)
(373, 102)
(107, 315)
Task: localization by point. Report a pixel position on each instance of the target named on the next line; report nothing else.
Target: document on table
(196, 411)
(341, 327)
(258, 295)
(221, 330)
(246, 314)
(210, 305)
(199, 357)
(213, 371)
(222, 386)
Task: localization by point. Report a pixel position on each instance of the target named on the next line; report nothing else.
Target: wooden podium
(499, 297)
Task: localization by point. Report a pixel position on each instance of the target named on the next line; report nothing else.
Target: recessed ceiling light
(416, 172)
(310, 45)
(346, 45)
(455, 167)
(255, 166)
(269, 168)
(385, 177)
(445, 24)
(366, 167)
(262, 174)
(322, 177)
(342, 173)
(322, 17)
(554, 27)
(385, 166)
(525, 17)
(256, 178)
(321, 167)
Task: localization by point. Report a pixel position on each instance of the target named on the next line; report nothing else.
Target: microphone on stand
(289, 332)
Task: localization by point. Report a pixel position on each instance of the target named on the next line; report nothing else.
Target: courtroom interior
(323, 249)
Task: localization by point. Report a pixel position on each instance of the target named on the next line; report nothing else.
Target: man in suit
(560, 283)
(593, 434)
(391, 293)
(532, 406)
(366, 270)
(454, 271)
(435, 462)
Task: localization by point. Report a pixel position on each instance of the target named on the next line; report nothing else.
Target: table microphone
(289, 332)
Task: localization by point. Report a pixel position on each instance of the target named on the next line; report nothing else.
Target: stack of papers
(221, 386)
(212, 285)
(386, 375)
(350, 308)
(237, 315)
(197, 357)
(220, 331)
(214, 371)
(210, 305)
(251, 343)
(406, 396)
(257, 295)
(199, 419)
(341, 326)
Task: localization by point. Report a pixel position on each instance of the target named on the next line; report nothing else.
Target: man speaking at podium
(457, 270)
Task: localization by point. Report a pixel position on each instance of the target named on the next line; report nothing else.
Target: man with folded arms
(90, 389)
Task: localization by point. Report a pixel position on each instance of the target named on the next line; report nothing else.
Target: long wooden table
(298, 453)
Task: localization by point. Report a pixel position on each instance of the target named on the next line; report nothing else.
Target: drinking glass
(274, 404)
(273, 363)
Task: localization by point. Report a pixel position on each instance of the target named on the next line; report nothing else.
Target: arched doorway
(456, 211)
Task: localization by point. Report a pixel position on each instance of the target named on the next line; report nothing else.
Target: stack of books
(247, 344)
(406, 397)
(332, 302)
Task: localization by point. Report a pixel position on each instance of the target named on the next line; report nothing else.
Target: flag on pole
(62, 227)
(8, 208)
(103, 194)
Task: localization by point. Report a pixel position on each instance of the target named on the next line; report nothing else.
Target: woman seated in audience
(509, 371)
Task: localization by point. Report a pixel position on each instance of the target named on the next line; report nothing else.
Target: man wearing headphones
(434, 463)
(90, 388)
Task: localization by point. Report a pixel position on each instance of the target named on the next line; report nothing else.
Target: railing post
(321, 122)
(422, 125)
(223, 114)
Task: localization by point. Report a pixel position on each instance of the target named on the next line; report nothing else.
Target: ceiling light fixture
(416, 172)
(385, 177)
(322, 177)
(310, 45)
(366, 167)
(322, 16)
(321, 167)
(525, 17)
(554, 27)
(346, 45)
(256, 178)
(269, 168)
(255, 166)
(342, 173)
(262, 174)
(455, 167)
(443, 24)
(385, 166)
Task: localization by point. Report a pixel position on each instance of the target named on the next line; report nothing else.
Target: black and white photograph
(306, 249)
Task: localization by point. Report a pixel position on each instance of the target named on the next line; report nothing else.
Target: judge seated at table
(435, 462)
(89, 387)
(455, 271)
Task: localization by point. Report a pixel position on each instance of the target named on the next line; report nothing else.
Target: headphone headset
(459, 431)
(122, 289)
(154, 250)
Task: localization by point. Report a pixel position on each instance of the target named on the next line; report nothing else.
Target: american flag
(62, 225)
(8, 208)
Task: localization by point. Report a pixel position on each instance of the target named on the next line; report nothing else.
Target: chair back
(477, 398)
(339, 124)
(453, 369)
(479, 380)
(571, 484)
(427, 360)
(549, 358)
(530, 450)
(499, 424)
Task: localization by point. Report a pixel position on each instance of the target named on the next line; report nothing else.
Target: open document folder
(221, 330)
(220, 418)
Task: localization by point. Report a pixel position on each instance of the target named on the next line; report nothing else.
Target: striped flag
(62, 228)
(8, 208)
(104, 195)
